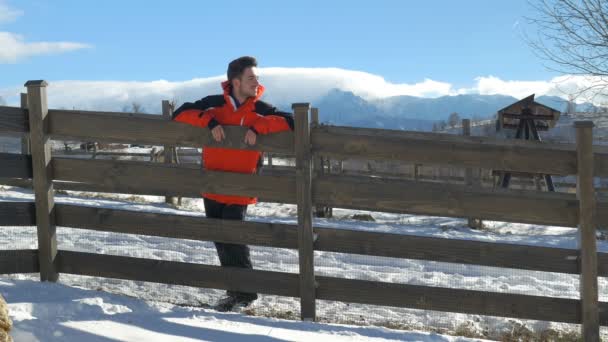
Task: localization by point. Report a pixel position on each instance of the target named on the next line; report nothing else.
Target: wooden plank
(26, 147)
(532, 116)
(168, 149)
(19, 261)
(17, 214)
(442, 149)
(492, 254)
(304, 201)
(153, 130)
(178, 273)
(600, 162)
(15, 165)
(166, 180)
(590, 328)
(450, 300)
(22, 183)
(601, 214)
(539, 127)
(468, 176)
(43, 179)
(450, 200)
(13, 120)
(177, 226)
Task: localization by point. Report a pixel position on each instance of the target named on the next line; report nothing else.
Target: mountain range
(344, 108)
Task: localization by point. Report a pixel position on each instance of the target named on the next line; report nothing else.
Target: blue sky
(402, 41)
(108, 53)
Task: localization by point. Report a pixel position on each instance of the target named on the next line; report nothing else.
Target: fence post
(42, 179)
(168, 150)
(304, 198)
(590, 329)
(25, 139)
(319, 210)
(468, 175)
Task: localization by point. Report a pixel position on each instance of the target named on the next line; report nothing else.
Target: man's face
(248, 83)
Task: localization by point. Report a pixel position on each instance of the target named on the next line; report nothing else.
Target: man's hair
(237, 66)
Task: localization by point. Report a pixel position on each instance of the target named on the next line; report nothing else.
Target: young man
(239, 105)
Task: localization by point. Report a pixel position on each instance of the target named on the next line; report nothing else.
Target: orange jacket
(215, 110)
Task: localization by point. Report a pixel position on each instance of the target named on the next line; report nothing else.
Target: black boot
(235, 300)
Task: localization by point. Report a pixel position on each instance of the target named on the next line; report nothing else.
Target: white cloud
(490, 85)
(13, 47)
(582, 88)
(315, 82)
(284, 86)
(8, 14)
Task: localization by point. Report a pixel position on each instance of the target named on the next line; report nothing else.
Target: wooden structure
(305, 188)
(527, 117)
(545, 117)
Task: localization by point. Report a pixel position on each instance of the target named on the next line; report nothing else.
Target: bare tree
(573, 38)
(453, 119)
(136, 107)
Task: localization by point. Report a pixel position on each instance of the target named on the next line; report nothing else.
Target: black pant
(230, 254)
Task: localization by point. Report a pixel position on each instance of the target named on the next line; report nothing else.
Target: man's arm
(272, 120)
(197, 114)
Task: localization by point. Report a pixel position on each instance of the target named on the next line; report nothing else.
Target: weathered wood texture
(449, 250)
(178, 273)
(17, 214)
(600, 161)
(15, 165)
(168, 149)
(426, 198)
(304, 201)
(154, 130)
(590, 328)
(451, 300)
(444, 149)
(177, 226)
(13, 120)
(43, 179)
(166, 180)
(469, 179)
(26, 146)
(601, 214)
(19, 261)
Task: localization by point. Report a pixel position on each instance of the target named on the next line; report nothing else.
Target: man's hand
(250, 137)
(218, 133)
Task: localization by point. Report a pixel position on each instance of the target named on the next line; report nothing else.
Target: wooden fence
(307, 188)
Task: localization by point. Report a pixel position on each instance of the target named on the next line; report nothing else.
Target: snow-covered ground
(53, 312)
(181, 311)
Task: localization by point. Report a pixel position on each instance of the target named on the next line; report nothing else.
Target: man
(239, 105)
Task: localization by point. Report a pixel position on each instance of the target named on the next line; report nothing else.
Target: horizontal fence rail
(117, 127)
(450, 150)
(14, 120)
(172, 272)
(15, 165)
(19, 261)
(427, 198)
(17, 214)
(166, 179)
(177, 226)
(452, 300)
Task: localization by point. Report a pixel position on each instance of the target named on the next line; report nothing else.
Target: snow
(55, 312)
